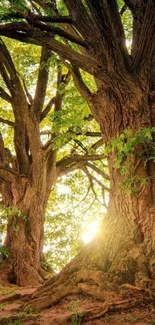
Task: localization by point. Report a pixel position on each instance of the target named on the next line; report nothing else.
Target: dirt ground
(71, 311)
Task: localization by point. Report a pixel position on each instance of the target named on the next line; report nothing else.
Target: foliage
(4, 253)
(77, 316)
(69, 214)
(7, 291)
(14, 322)
(65, 217)
(127, 142)
(125, 147)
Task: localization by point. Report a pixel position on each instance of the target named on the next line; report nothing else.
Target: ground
(70, 311)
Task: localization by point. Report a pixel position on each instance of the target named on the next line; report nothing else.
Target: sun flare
(90, 231)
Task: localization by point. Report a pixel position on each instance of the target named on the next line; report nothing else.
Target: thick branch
(118, 30)
(11, 171)
(49, 19)
(71, 160)
(7, 174)
(8, 63)
(109, 44)
(145, 38)
(25, 33)
(81, 19)
(64, 171)
(57, 31)
(41, 82)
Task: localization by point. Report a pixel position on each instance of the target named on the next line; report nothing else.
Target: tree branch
(46, 5)
(62, 81)
(98, 171)
(81, 19)
(91, 178)
(97, 144)
(83, 199)
(56, 31)
(49, 19)
(42, 81)
(80, 85)
(123, 9)
(68, 161)
(145, 46)
(8, 63)
(131, 5)
(30, 99)
(47, 109)
(118, 31)
(25, 33)
(87, 134)
(5, 76)
(10, 123)
(101, 13)
(4, 95)
(25, 125)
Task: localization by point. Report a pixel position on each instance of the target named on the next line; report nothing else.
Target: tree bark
(123, 252)
(25, 230)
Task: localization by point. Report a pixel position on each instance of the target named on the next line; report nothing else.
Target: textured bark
(25, 229)
(121, 258)
(123, 253)
(26, 178)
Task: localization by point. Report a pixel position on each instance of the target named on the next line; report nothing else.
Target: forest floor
(70, 311)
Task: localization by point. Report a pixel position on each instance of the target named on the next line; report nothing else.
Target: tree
(91, 36)
(30, 168)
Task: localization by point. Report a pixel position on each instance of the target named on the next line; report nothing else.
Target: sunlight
(90, 232)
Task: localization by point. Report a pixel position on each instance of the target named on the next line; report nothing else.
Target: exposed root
(108, 297)
(118, 305)
(50, 299)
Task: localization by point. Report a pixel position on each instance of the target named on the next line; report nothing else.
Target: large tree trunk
(25, 238)
(123, 252)
(27, 199)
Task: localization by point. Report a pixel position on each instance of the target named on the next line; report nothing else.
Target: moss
(7, 291)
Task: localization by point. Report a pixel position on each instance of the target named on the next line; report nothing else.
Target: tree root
(86, 283)
(113, 306)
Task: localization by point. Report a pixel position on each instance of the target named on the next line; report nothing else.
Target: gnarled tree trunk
(25, 229)
(123, 253)
(124, 250)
